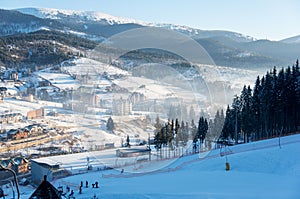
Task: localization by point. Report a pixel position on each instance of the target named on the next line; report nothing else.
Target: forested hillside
(41, 47)
(271, 108)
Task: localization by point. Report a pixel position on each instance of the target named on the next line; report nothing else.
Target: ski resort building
(41, 167)
(122, 107)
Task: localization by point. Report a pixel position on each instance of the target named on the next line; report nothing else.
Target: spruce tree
(110, 124)
(128, 141)
(256, 108)
(272, 107)
(246, 112)
(184, 133)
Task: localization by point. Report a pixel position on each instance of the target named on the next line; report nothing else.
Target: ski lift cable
(15, 178)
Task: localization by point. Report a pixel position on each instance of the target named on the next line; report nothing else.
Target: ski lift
(2, 193)
(15, 182)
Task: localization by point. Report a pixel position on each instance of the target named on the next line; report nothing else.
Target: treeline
(271, 109)
(38, 48)
(175, 134)
(171, 134)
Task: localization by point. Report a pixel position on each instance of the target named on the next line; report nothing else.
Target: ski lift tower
(15, 180)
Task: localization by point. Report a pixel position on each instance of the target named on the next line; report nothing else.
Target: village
(55, 111)
(86, 116)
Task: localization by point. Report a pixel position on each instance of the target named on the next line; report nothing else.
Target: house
(34, 114)
(6, 163)
(19, 164)
(11, 118)
(22, 133)
(16, 134)
(22, 165)
(14, 75)
(34, 130)
(3, 91)
(11, 133)
(3, 137)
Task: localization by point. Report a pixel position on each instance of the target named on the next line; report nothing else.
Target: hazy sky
(271, 19)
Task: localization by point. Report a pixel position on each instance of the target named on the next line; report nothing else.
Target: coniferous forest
(270, 109)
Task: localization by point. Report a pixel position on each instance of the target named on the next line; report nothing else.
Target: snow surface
(61, 81)
(258, 170)
(295, 39)
(86, 15)
(98, 16)
(86, 66)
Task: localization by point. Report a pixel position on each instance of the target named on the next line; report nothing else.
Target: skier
(72, 193)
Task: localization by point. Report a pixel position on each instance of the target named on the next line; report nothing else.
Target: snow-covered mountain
(295, 39)
(87, 17)
(82, 16)
(202, 34)
(225, 47)
(13, 22)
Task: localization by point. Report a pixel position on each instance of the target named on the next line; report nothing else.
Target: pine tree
(158, 138)
(169, 134)
(229, 124)
(110, 124)
(128, 141)
(295, 97)
(202, 129)
(256, 108)
(273, 107)
(194, 135)
(185, 133)
(157, 125)
(177, 133)
(281, 98)
(246, 112)
(216, 125)
(289, 100)
(296, 74)
(236, 106)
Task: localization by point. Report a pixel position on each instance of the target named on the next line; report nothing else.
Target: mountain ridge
(112, 20)
(225, 47)
(51, 13)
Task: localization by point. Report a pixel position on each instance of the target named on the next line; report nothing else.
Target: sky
(261, 19)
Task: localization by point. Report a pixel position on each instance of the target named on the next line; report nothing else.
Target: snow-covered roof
(46, 160)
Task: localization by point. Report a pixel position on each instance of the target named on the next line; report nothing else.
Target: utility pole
(279, 143)
(227, 165)
(149, 147)
(236, 105)
(236, 128)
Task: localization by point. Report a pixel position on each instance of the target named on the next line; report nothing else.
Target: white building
(121, 107)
